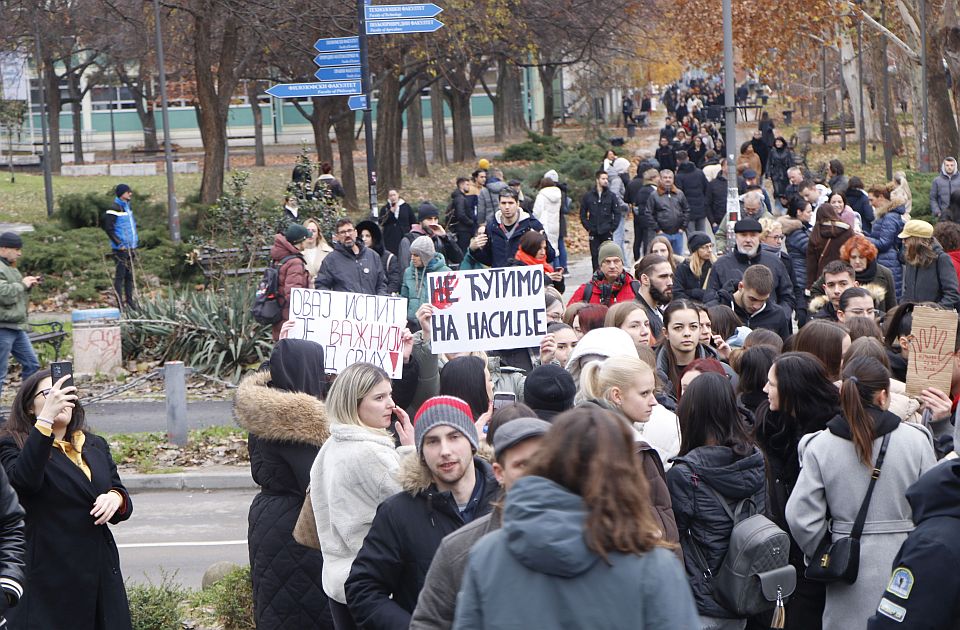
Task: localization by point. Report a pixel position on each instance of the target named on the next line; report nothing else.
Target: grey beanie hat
(444, 410)
(423, 247)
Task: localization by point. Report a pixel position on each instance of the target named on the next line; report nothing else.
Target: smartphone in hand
(502, 399)
(59, 369)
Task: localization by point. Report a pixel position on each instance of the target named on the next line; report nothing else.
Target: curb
(240, 480)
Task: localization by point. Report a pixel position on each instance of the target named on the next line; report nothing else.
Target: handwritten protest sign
(351, 327)
(487, 309)
(932, 339)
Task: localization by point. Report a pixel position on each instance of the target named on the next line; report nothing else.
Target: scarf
(527, 259)
(608, 289)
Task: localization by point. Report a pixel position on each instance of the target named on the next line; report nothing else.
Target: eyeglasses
(44, 392)
(347, 232)
(776, 237)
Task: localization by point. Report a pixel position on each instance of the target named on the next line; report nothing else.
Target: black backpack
(267, 302)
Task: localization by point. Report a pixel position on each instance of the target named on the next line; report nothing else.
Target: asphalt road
(183, 533)
(137, 417)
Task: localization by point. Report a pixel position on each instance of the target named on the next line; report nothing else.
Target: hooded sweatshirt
(538, 572)
(546, 209)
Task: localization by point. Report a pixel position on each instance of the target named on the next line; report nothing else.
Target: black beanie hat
(11, 240)
(549, 390)
(121, 189)
(696, 240)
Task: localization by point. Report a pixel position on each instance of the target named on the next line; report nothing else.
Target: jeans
(620, 232)
(596, 240)
(700, 225)
(15, 341)
(123, 277)
(562, 254)
(676, 242)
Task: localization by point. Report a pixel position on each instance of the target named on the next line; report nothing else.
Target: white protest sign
(351, 327)
(487, 309)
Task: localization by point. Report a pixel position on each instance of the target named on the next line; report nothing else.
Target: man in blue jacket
(121, 226)
(501, 239)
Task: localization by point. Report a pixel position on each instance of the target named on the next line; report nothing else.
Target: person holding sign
(354, 472)
(424, 259)
(351, 266)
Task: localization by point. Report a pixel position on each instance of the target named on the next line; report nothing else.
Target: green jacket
(13, 298)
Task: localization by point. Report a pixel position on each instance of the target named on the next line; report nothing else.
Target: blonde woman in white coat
(546, 209)
(354, 472)
(836, 466)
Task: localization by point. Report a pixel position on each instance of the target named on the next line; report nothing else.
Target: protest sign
(932, 339)
(487, 309)
(351, 327)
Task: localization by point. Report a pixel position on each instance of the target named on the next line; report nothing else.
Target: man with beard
(610, 284)
(445, 486)
(751, 206)
(729, 268)
(655, 275)
(750, 300)
(351, 267)
(600, 215)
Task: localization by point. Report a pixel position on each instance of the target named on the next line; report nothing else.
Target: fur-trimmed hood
(876, 290)
(789, 224)
(414, 476)
(279, 415)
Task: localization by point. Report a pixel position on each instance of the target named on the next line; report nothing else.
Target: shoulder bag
(840, 561)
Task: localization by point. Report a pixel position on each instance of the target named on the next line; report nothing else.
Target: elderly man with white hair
(751, 205)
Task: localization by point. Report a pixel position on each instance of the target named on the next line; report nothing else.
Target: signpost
(337, 44)
(394, 27)
(339, 73)
(323, 88)
(357, 102)
(401, 11)
(344, 69)
(332, 60)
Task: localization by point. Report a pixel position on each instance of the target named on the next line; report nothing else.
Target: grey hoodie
(940, 190)
(537, 572)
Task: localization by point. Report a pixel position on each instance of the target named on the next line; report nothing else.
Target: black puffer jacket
(703, 523)
(286, 432)
(390, 569)
(731, 266)
(599, 213)
(693, 183)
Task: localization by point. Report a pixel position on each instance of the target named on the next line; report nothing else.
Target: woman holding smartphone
(69, 486)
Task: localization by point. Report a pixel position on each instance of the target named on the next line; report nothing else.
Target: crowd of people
(718, 436)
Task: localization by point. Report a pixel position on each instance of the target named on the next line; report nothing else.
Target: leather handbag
(839, 561)
(305, 531)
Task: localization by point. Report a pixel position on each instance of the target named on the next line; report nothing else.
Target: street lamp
(730, 120)
(47, 174)
(862, 132)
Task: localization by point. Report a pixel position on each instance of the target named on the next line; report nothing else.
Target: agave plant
(211, 331)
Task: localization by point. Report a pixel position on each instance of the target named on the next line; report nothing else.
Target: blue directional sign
(357, 102)
(401, 11)
(338, 44)
(393, 27)
(340, 73)
(326, 88)
(332, 60)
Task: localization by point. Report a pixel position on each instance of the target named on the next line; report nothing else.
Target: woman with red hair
(871, 275)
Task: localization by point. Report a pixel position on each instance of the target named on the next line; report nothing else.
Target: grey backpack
(755, 575)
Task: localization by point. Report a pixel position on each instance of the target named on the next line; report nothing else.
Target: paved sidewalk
(207, 478)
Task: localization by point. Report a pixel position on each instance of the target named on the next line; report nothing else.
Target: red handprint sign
(932, 340)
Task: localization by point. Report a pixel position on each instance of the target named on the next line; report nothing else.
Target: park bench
(834, 127)
(229, 262)
(51, 333)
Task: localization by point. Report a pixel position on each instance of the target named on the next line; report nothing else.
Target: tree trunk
(343, 126)
(877, 65)
(54, 105)
(76, 118)
(944, 136)
(513, 100)
(851, 78)
(438, 125)
(253, 91)
(389, 138)
(499, 102)
(319, 118)
(547, 75)
(416, 146)
(463, 148)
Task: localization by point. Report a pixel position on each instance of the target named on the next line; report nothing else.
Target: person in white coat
(354, 472)
(546, 209)
(836, 467)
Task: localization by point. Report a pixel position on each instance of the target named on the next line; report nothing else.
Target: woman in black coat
(70, 489)
(372, 237)
(396, 219)
(283, 410)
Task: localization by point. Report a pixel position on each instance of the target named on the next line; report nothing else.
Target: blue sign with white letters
(394, 27)
(337, 44)
(357, 102)
(325, 88)
(401, 11)
(332, 60)
(340, 73)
